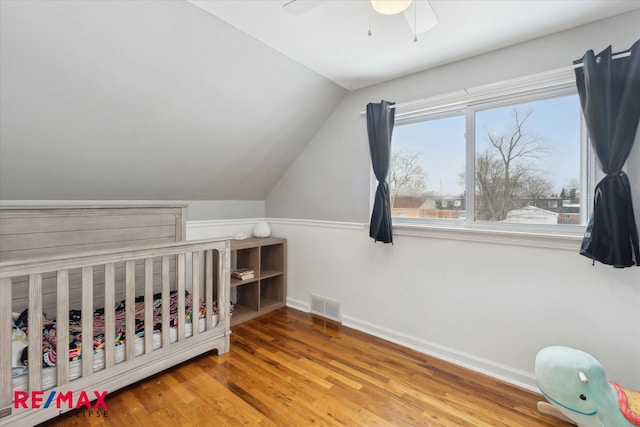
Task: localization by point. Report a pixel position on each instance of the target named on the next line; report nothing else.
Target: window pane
(427, 169)
(528, 162)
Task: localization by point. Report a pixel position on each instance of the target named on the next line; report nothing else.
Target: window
(426, 161)
(517, 161)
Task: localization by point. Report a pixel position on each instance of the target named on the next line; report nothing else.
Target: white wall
(490, 307)
(229, 228)
(485, 305)
(224, 209)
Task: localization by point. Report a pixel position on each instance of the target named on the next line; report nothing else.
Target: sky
(441, 142)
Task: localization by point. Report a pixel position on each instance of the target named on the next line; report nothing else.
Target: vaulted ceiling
(147, 100)
(165, 100)
(332, 36)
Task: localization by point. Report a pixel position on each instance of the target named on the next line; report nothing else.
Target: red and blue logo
(60, 400)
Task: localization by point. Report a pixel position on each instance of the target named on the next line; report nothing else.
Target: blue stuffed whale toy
(575, 384)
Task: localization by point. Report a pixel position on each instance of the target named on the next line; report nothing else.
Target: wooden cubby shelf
(267, 290)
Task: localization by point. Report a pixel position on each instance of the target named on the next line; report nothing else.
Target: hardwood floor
(290, 368)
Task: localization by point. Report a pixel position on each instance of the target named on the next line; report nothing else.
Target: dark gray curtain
(380, 119)
(610, 96)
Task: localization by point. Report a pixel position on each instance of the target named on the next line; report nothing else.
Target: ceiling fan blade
(421, 15)
(298, 7)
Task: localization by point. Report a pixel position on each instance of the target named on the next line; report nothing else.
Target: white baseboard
(499, 371)
(298, 305)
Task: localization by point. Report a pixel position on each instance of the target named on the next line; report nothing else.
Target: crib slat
(130, 309)
(166, 303)
(109, 315)
(62, 327)
(35, 332)
(148, 305)
(87, 321)
(5, 342)
(208, 289)
(181, 289)
(224, 279)
(195, 293)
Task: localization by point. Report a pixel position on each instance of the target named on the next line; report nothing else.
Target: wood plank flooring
(290, 368)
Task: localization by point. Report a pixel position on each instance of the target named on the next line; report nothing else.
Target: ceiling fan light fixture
(390, 7)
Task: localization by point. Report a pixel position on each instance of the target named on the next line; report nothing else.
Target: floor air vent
(326, 308)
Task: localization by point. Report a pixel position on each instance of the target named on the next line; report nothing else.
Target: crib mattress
(50, 376)
(49, 339)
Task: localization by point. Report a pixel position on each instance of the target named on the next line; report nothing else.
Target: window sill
(566, 241)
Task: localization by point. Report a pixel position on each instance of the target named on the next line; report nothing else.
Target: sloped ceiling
(148, 100)
(331, 36)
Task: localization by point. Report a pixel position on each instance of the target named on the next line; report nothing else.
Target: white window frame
(467, 102)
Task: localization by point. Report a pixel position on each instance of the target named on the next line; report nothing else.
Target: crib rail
(201, 267)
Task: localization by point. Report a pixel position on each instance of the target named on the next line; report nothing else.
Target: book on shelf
(244, 277)
(243, 273)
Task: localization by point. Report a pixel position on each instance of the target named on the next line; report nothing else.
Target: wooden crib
(155, 301)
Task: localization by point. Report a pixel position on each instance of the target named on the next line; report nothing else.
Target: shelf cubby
(272, 292)
(267, 290)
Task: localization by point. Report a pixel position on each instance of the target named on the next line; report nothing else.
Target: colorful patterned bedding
(49, 337)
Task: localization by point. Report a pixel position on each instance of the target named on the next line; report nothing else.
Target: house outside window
(516, 159)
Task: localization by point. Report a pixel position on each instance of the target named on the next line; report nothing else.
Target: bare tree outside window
(505, 173)
(522, 157)
(407, 177)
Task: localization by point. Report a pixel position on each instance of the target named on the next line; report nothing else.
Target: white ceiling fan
(418, 13)
(298, 7)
